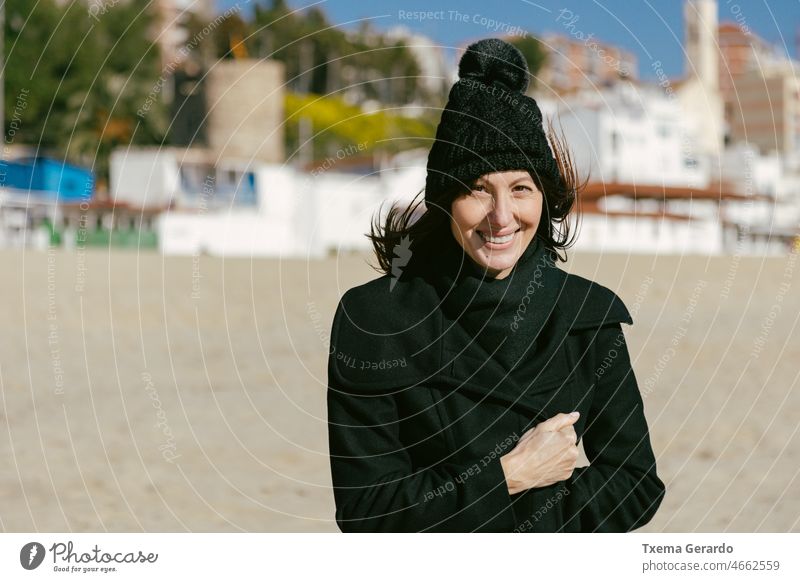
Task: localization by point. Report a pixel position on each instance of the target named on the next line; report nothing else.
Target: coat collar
(502, 317)
(387, 338)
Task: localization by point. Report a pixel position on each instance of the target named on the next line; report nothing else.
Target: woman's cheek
(467, 215)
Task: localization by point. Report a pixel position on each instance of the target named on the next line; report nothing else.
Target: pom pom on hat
(493, 61)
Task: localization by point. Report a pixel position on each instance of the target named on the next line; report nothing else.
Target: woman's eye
(522, 188)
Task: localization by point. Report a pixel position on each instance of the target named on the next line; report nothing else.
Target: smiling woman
(509, 360)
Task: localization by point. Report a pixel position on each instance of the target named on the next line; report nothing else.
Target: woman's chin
(495, 263)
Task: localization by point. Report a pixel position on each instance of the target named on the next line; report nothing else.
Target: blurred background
(185, 188)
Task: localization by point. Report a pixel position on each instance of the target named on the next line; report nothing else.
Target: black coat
(418, 420)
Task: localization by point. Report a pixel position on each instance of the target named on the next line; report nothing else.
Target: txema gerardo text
(687, 549)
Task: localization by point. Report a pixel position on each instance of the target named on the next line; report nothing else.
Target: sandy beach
(150, 393)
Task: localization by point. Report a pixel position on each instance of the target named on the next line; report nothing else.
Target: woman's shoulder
(383, 301)
(386, 311)
(588, 304)
(381, 335)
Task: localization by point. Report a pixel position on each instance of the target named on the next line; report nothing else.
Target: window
(210, 187)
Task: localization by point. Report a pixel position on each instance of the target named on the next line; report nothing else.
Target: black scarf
(504, 316)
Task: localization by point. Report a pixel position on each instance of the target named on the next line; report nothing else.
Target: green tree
(86, 75)
(321, 58)
(533, 52)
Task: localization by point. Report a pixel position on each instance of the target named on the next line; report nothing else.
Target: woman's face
(496, 219)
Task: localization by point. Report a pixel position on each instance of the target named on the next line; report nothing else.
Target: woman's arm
(620, 491)
(377, 488)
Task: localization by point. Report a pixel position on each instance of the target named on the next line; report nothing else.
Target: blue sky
(652, 29)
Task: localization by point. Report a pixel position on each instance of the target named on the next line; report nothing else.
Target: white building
(652, 219)
(240, 208)
(770, 221)
(630, 133)
(655, 189)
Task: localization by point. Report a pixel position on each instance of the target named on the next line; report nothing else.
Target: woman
(461, 381)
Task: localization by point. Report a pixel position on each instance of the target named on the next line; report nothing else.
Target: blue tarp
(48, 178)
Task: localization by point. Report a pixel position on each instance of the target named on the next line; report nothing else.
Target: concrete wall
(245, 109)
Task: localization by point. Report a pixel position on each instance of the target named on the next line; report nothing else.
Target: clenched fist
(544, 455)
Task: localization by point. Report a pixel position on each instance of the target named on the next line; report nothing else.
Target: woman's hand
(544, 455)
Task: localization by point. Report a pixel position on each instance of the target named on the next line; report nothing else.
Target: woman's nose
(502, 210)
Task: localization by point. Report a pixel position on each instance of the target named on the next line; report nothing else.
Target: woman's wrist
(508, 463)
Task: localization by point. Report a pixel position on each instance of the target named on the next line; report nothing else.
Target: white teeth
(497, 239)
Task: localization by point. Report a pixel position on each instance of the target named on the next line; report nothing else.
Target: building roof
(592, 207)
(596, 190)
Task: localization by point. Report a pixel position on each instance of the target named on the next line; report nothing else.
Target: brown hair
(422, 228)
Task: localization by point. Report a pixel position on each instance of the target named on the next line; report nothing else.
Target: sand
(150, 393)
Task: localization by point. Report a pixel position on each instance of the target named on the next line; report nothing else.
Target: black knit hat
(488, 124)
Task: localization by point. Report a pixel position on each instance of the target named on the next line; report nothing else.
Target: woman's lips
(498, 242)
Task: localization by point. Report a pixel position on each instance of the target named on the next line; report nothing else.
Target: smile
(498, 240)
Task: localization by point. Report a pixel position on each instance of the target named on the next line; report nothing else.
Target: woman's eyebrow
(513, 182)
(521, 179)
